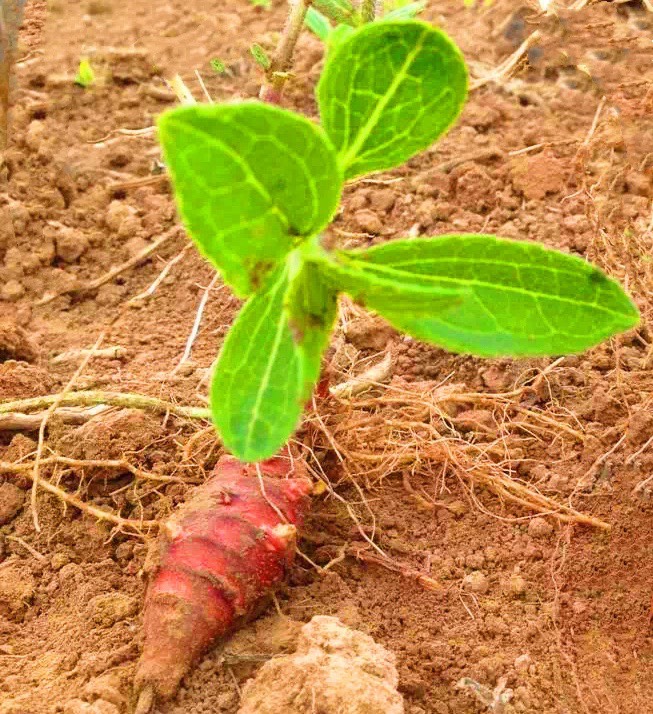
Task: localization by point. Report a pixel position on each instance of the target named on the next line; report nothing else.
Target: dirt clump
(335, 670)
(11, 501)
(15, 342)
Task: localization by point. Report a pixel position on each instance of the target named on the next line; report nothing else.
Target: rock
(103, 707)
(117, 212)
(382, 199)
(476, 420)
(34, 135)
(129, 227)
(539, 528)
(522, 663)
(369, 333)
(15, 343)
(476, 582)
(536, 176)
(16, 591)
(7, 234)
(105, 688)
(58, 560)
(516, 585)
(12, 290)
(76, 706)
(109, 608)
(11, 501)
(367, 221)
(70, 244)
(335, 670)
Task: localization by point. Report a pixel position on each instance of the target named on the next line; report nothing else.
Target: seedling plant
(257, 187)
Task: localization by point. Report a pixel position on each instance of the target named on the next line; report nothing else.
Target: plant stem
(117, 399)
(11, 13)
(368, 10)
(281, 63)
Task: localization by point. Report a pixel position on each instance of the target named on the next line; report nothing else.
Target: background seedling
(218, 66)
(257, 185)
(85, 76)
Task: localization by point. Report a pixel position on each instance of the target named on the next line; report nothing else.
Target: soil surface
(558, 151)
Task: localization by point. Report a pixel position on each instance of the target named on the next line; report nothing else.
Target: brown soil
(559, 152)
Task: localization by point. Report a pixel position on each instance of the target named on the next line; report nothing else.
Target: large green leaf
(389, 91)
(251, 181)
(271, 360)
(518, 299)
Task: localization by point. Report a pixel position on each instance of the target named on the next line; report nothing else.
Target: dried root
(412, 428)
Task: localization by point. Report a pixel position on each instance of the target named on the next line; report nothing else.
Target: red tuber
(218, 557)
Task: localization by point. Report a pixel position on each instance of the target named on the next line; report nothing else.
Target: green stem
(282, 61)
(368, 10)
(117, 399)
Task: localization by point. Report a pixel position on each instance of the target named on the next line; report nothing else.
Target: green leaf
(318, 24)
(386, 292)
(271, 360)
(257, 389)
(521, 299)
(85, 75)
(260, 56)
(251, 181)
(339, 11)
(406, 12)
(338, 35)
(388, 92)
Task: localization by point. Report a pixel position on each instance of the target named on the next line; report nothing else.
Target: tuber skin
(218, 557)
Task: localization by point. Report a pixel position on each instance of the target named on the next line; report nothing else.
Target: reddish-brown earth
(559, 151)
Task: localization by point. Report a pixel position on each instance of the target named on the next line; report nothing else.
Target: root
(410, 428)
(123, 524)
(96, 397)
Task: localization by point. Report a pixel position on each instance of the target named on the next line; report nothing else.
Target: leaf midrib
(364, 132)
(265, 379)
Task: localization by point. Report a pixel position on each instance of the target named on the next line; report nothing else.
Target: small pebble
(539, 528)
(522, 662)
(59, 560)
(476, 582)
(70, 245)
(517, 585)
(368, 221)
(12, 290)
(11, 501)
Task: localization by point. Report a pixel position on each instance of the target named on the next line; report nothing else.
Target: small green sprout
(266, 4)
(260, 56)
(218, 66)
(257, 186)
(85, 76)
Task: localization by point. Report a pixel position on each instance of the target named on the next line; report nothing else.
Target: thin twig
(16, 421)
(161, 277)
(114, 272)
(117, 399)
(197, 322)
(115, 352)
(7, 467)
